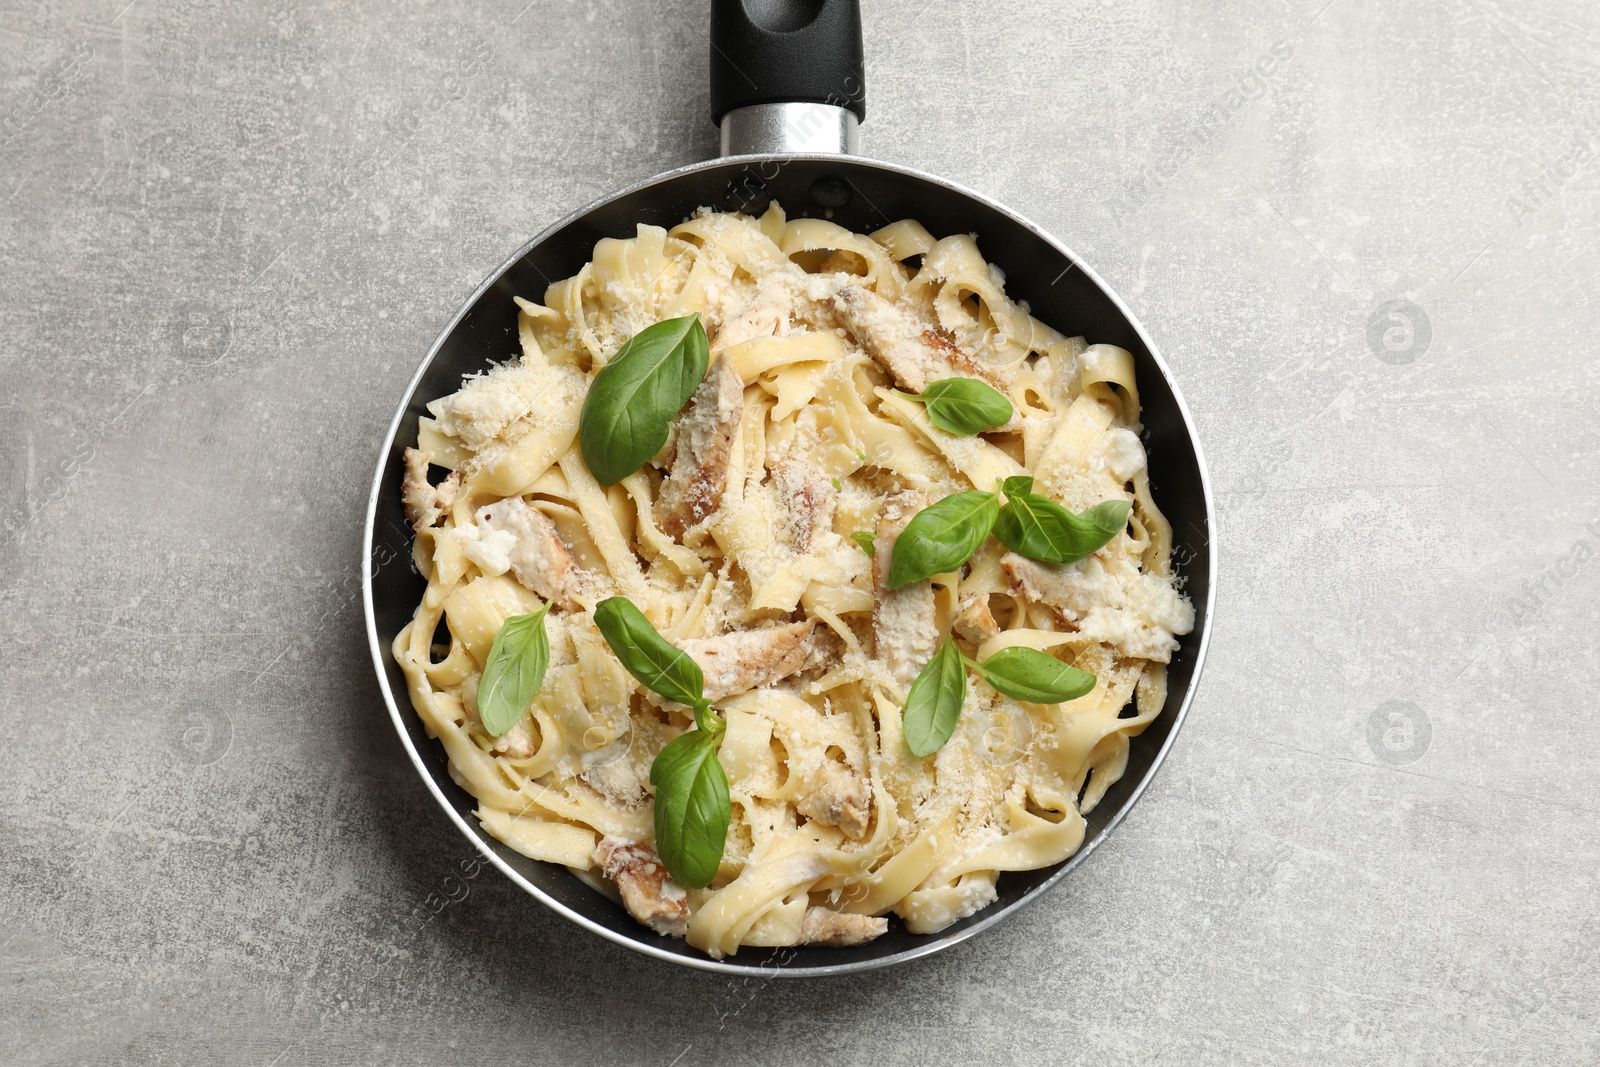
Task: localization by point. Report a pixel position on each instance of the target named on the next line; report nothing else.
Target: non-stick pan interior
(862, 196)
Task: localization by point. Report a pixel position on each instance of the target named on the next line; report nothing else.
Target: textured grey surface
(230, 233)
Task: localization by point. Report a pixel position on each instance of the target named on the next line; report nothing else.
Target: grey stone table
(1365, 235)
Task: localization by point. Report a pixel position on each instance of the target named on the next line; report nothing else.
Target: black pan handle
(786, 52)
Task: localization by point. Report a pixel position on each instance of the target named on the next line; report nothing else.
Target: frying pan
(787, 91)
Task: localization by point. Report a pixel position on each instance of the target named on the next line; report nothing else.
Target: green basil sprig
(1037, 527)
(963, 406)
(692, 810)
(942, 536)
(657, 663)
(515, 670)
(1036, 677)
(865, 539)
(933, 706)
(934, 703)
(632, 401)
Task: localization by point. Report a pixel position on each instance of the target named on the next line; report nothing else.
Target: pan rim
(935, 943)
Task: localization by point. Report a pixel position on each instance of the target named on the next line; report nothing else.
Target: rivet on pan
(747, 193)
(831, 192)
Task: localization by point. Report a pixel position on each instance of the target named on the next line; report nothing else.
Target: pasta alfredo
(757, 541)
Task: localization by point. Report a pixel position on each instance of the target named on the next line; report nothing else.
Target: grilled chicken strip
(425, 503)
(648, 892)
(617, 782)
(748, 659)
(517, 742)
(974, 620)
(1136, 613)
(539, 558)
(820, 926)
(914, 355)
(903, 624)
(840, 798)
(808, 502)
(705, 441)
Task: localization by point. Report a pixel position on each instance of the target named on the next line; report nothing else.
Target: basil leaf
(514, 672)
(964, 406)
(1037, 677)
(632, 401)
(942, 536)
(935, 701)
(657, 664)
(864, 538)
(692, 809)
(1037, 527)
